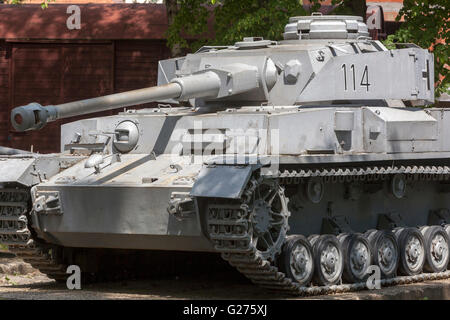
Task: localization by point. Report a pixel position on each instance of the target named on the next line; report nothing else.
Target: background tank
(298, 161)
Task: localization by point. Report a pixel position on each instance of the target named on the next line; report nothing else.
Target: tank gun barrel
(34, 116)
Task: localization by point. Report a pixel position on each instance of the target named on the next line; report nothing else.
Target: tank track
(40, 257)
(226, 224)
(14, 232)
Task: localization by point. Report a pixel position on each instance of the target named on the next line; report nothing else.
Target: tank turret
(323, 60)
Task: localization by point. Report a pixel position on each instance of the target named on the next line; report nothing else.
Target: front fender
(29, 170)
(222, 181)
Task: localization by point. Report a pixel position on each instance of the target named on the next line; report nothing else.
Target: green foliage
(190, 22)
(234, 19)
(237, 18)
(44, 4)
(427, 25)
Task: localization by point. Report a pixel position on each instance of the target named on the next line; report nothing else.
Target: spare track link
(227, 230)
(14, 232)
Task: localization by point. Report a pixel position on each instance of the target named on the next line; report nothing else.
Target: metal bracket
(439, 217)
(390, 221)
(181, 205)
(48, 203)
(335, 225)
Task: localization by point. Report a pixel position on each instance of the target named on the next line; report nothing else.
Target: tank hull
(127, 204)
(137, 217)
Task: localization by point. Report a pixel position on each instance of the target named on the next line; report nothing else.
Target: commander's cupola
(318, 26)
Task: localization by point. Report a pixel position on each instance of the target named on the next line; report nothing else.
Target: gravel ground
(20, 281)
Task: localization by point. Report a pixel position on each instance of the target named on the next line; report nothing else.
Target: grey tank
(302, 162)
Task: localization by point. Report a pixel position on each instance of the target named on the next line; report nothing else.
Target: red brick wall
(4, 92)
(136, 64)
(53, 73)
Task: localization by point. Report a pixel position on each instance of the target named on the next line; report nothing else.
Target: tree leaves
(426, 23)
(234, 20)
(44, 3)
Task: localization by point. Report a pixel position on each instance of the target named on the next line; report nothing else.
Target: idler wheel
(296, 260)
(436, 248)
(384, 250)
(357, 256)
(412, 251)
(328, 259)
